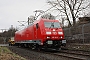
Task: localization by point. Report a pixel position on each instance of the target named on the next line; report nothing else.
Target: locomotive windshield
(52, 24)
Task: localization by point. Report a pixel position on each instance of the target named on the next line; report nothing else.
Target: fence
(78, 34)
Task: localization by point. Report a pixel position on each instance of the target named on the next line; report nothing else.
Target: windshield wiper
(52, 24)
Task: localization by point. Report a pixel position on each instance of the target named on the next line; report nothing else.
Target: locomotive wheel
(58, 49)
(19, 45)
(33, 46)
(38, 48)
(24, 45)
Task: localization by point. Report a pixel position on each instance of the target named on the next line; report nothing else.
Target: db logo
(55, 33)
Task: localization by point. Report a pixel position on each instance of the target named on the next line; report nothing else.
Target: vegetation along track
(44, 55)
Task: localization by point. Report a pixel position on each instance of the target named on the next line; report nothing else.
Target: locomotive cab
(50, 33)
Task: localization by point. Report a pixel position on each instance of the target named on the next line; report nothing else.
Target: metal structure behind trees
(79, 35)
(31, 19)
(22, 24)
(40, 13)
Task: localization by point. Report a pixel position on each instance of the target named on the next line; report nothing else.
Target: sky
(12, 11)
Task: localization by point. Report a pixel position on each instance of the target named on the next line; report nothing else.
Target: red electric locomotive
(42, 33)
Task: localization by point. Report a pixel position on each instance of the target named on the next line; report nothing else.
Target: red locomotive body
(42, 33)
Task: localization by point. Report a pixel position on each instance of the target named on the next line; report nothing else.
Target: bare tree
(48, 16)
(70, 8)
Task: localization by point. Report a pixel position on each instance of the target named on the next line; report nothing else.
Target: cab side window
(37, 26)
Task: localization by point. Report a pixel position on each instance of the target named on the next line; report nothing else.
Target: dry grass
(6, 54)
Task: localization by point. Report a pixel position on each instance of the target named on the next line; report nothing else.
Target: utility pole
(28, 20)
(11, 30)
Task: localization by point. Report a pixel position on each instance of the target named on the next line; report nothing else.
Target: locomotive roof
(46, 20)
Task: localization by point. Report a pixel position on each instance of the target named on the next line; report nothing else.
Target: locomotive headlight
(48, 32)
(61, 37)
(48, 37)
(60, 32)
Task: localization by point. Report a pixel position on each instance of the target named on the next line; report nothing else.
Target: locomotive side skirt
(47, 43)
(30, 41)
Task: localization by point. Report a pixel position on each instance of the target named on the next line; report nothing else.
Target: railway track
(70, 56)
(63, 54)
(77, 55)
(83, 53)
